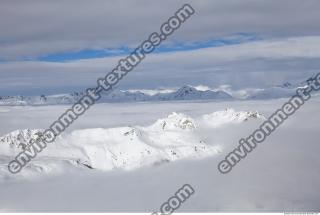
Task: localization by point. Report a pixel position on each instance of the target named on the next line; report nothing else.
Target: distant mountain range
(183, 93)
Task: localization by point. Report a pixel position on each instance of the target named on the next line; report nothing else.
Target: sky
(49, 47)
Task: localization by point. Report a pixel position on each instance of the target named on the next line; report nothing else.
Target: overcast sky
(65, 45)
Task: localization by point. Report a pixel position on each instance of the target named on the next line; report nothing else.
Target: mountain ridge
(185, 92)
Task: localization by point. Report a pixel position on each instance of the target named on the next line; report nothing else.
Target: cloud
(41, 27)
(252, 64)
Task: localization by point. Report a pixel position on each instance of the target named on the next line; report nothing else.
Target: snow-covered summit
(175, 121)
(229, 115)
(191, 93)
(20, 138)
(175, 137)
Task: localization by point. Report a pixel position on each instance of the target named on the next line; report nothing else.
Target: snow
(183, 93)
(229, 115)
(79, 173)
(201, 92)
(169, 139)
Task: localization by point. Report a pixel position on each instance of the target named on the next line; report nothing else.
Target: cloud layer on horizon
(252, 64)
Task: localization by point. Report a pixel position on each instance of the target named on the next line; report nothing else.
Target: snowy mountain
(20, 138)
(183, 93)
(273, 93)
(191, 93)
(40, 100)
(285, 90)
(175, 137)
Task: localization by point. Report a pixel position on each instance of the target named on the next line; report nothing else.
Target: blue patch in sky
(232, 40)
(83, 54)
(172, 47)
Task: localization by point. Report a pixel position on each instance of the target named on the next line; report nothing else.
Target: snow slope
(175, 137)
